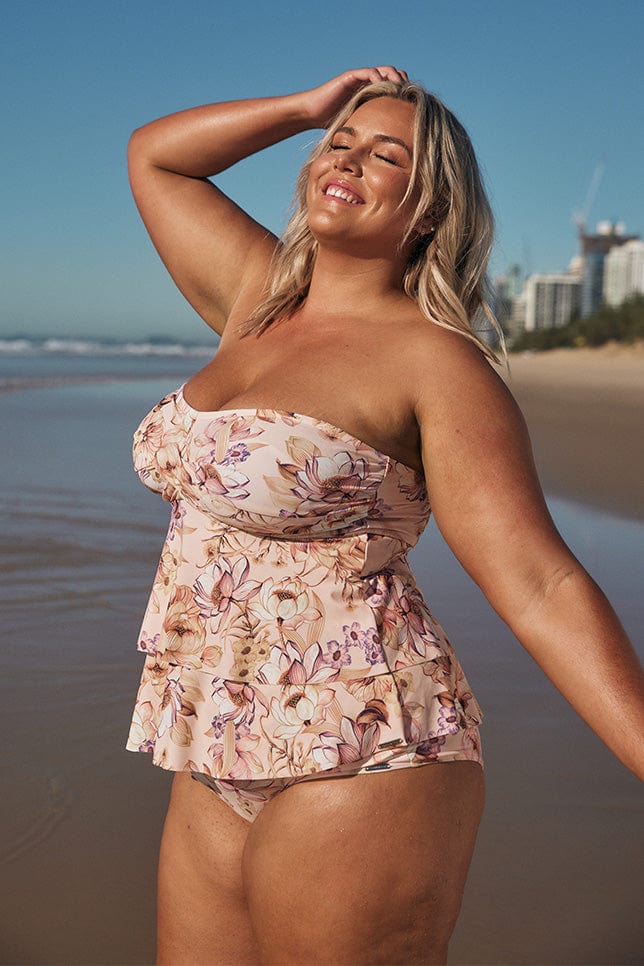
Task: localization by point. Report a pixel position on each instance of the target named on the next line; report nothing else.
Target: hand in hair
(323, 103)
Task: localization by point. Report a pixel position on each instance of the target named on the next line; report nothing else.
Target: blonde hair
(446, 270)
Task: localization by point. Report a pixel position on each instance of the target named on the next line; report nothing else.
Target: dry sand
(584, 409)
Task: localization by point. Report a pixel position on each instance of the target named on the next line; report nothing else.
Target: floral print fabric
(285, 634)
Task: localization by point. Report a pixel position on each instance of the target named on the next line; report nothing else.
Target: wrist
(301, 112)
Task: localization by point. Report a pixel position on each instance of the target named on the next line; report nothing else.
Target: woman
(293, 668)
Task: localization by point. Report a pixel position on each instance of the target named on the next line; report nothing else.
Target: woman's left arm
(489, 506)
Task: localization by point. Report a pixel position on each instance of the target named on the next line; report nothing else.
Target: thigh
(202, 916)
(366, 869)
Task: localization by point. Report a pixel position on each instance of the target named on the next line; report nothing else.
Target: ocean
(558, 872)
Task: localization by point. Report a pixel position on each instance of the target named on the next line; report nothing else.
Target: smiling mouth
(337, 191)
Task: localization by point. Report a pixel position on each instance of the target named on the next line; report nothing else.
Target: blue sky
(546, 90)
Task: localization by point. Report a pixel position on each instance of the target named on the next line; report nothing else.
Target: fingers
(371, 75)
(323, 102)
(393, 74)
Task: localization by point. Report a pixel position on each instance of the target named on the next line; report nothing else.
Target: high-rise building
(516, 322)
(505, 289)
(624, 272)
(594, 249)
(550, 300)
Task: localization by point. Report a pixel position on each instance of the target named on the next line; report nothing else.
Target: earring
(425, 228)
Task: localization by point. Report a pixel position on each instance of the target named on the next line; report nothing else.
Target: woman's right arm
(212, 248)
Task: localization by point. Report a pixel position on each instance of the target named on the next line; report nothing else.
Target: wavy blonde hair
(446, 270)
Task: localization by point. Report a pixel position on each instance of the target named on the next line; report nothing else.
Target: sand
(585, 413)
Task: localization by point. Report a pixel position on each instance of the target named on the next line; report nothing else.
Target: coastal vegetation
(625, 323)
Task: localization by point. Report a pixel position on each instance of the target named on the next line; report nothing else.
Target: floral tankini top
(285, 633)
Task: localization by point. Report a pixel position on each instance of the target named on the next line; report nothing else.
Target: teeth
(337, 192)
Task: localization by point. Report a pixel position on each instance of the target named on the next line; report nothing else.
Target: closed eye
(381, 157)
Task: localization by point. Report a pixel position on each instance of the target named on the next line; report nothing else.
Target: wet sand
(585, 413)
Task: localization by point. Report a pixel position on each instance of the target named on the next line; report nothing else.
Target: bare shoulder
(447, 373)
(470, 425)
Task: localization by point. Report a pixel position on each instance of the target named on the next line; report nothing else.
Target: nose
(347, 160)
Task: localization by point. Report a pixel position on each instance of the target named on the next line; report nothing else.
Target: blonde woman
(292, 666)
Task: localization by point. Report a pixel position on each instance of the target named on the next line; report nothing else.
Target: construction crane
(579, 218)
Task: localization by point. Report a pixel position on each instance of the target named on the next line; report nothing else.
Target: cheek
(390, 185)
(309, 193)
(316, 171)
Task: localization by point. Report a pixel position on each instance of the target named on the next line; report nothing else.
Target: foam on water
(97, 347)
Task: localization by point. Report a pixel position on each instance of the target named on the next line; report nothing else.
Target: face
(355, 189)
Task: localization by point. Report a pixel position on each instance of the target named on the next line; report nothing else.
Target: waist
(253, 607)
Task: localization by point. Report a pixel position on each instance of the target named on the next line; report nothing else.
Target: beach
(585, 412)
(557, 875)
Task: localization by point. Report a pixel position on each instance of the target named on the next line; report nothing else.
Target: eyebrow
(387, 138)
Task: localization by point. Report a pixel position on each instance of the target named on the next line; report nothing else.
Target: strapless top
(280, 474)
(284, 604)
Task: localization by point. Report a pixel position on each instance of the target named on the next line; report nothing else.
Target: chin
(324, 231)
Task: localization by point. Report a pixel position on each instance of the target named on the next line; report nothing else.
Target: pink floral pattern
(285, 634)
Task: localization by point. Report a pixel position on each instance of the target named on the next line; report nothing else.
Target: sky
(547, 91)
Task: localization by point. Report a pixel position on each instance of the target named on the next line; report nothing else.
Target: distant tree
(624, 323)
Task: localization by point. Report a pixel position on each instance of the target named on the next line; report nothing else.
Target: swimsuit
(285, 636)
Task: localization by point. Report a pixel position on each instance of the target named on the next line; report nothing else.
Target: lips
(343, 191)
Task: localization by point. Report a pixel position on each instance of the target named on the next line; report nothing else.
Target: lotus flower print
(222, 585)
(183, 627)
(286, 601)
(285, 633)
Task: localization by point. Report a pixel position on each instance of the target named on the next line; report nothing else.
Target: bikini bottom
(248, 797)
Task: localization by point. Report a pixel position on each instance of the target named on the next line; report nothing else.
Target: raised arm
(211, 247)
(489, 506)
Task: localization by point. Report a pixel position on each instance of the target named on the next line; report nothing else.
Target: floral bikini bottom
(248, 797)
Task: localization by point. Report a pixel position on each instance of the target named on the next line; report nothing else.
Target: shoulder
(465, 413)
(474, 439)
(447, 372)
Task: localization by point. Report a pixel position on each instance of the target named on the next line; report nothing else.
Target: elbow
(135, 146)
(139, 156)
(556, 580)
(517, 599)
(558, 592)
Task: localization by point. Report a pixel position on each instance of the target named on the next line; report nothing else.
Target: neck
(342, 283)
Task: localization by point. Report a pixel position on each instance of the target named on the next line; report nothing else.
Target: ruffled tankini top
(285, 633)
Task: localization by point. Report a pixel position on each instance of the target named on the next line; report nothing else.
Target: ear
(425, 226)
